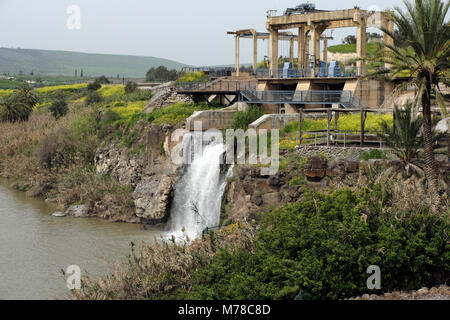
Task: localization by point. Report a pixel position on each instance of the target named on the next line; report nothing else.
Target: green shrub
(94, 86)
(102, 80)
(243, 119)
(131, 87)
(93, 97)
(59, 108)
(175, 113)
(193, 77)
(373, 154)
(321, 248)
(106, 122)
(13, 110)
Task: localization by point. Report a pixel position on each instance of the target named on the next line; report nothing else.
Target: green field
(351, 48)
(57, 63)
(9, 84)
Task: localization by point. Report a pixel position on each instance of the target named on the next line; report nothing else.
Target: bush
(243, 119)
(130, 87)
(18, 106)
(59, 108)
(102, 80)
(93, 97)
(161, 74)
(57, 149)
(321, 248)
(94, 86)
(373, 154)
(193, 77)
(175, 113)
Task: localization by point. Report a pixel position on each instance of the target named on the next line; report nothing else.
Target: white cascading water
(198, 195)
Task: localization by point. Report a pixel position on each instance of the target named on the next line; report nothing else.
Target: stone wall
(336, 153)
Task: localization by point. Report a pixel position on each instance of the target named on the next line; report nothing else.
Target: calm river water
(34, 246)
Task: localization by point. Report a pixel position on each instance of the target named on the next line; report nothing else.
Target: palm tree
(404, 136)
(18, 105)
(12, 109)
(426, 59)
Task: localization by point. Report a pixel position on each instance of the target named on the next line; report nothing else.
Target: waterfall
(198, 195)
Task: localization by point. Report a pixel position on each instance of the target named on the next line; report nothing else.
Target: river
(35, 247)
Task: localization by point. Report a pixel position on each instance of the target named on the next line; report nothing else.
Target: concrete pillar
(237, 64)
(325, 50)
(315, 45)
(308, 51)
(301, 47)
(361, 44)
(255, 52)
(273, 52)
(291, 50)
(389, 25)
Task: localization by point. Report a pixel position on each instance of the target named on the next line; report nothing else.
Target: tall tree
(425, 59)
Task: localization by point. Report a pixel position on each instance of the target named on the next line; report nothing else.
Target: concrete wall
(215, 119)
(211, 119)
(273, 121)
(373, 92)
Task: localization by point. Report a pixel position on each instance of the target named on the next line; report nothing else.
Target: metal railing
(217, 86)
(345, 98)
(316, 72)
(339, 138)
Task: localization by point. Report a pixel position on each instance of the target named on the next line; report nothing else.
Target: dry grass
(54, 158)
(160, 269)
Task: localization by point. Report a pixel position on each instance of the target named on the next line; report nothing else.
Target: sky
(188, 31)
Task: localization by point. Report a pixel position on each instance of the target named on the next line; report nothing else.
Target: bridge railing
(217, 86)
(306, 73)
(346, 98)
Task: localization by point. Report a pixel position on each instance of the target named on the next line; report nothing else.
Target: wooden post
(328, 127)
(301, 126)
(336, 118)
(363, 120)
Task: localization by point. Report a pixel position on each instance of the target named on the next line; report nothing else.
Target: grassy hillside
(351, 48)
(65, 62)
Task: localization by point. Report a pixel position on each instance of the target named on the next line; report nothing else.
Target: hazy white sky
(188, 31)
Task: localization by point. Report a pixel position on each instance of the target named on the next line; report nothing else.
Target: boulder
(315, 168)
(351, 166)
(152, 197)
(77, 211)
(58, 214)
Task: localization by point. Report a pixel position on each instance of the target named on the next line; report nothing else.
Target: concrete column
(315, 45)
(389, 24)
(237, 64)
(273, 52)
(255, 52)
(301, 47)
(291, 50)
(325, 50)
(308, 51)
(361, 44)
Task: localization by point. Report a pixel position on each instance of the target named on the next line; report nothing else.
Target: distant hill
(65, 62)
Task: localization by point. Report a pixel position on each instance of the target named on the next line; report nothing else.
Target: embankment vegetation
(49, 137)
(318, 248)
